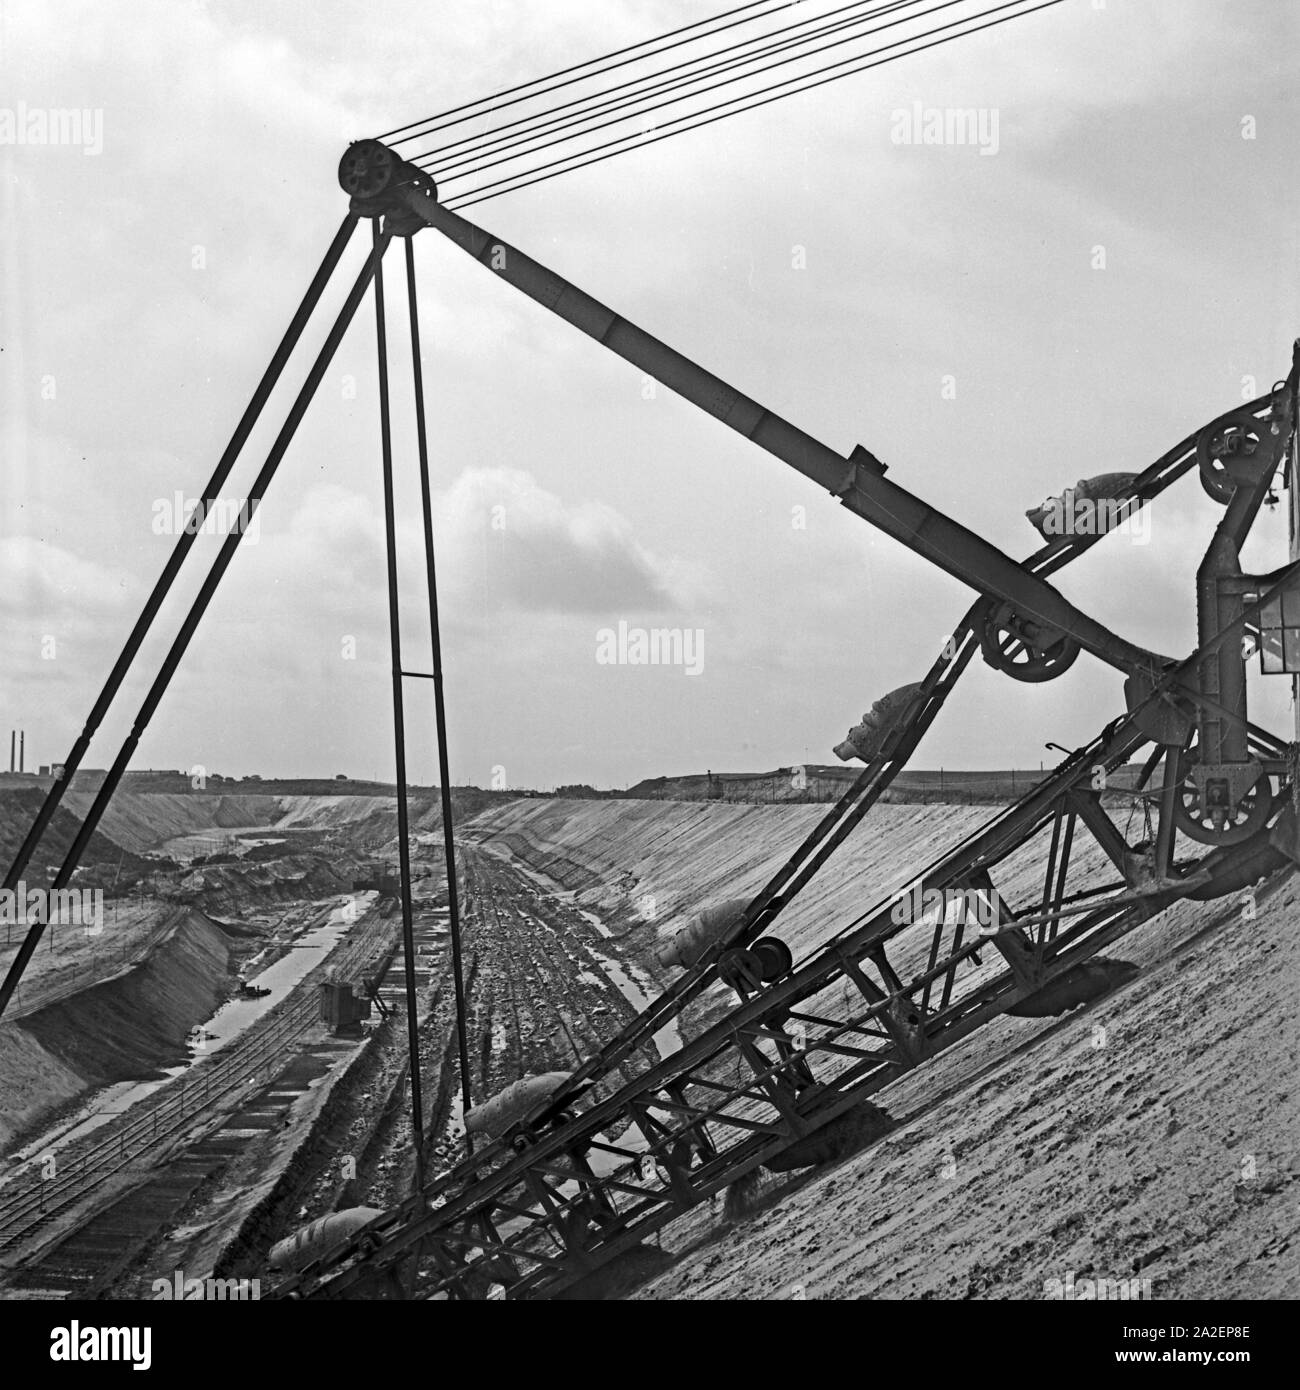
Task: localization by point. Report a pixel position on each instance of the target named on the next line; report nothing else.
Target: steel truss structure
(785, 1078)
(566, 1191)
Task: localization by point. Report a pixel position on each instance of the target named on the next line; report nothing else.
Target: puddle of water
(451, 1141)
(455, 1134)
(307, 951)
(668, 1039)
(219, 839)
(592, 918)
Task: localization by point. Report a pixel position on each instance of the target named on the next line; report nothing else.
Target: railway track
(55, 1184)
(884, 995)
(429, 932)
(557, 999)
(808, 1041)
(539, 1000)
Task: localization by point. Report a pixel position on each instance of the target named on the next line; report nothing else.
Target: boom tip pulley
(373, 177)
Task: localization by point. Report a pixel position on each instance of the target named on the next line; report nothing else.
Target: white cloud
(524, 548)
(222, 128)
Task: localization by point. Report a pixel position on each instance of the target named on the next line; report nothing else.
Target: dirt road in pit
(545, 987)
(549, 987)
(135, 1158)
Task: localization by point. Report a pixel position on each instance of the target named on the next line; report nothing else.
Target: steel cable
(444, 117)
(484, 143)
(545, 172)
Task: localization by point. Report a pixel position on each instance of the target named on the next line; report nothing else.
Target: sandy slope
(652, 864)
(127, 1026)
(18, 810)
(1163, 1147)
(143, 821)
(1152, 1134)
(90, 1009)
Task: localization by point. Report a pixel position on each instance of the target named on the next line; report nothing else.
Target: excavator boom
(857, 481)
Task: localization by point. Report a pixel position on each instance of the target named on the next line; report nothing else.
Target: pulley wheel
(366, 169)
(1222, 447)
(1012, 644)
(774, 958)
(1220, 824)
(741, 969)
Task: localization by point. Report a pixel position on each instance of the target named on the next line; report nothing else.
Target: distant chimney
(13, 742)
(22, 748)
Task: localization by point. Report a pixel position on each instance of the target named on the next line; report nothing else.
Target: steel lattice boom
(578, 1181)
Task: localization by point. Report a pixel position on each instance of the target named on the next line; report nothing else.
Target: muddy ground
(541, 997)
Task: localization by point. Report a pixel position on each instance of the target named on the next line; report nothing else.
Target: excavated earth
(1149, 1135)
(325, 1122)
(127, 1027)
(119, 1003)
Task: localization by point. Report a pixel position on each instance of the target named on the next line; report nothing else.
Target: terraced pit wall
(125, 1028)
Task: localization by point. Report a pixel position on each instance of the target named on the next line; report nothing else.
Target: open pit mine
(852, 1029)
(214, 1077)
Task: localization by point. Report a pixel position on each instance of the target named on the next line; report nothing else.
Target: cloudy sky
(942, 306)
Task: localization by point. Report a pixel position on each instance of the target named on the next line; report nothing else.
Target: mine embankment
(102, 1012)
(117, 1002)
(128, 1026)
(369, 823)
(1148, 1135)
(143, 821)
(245, 888)
(75, 954)
(120, 1180)
(19, 808)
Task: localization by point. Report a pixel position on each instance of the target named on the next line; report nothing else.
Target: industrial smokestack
(13, 741)
(22, 748)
